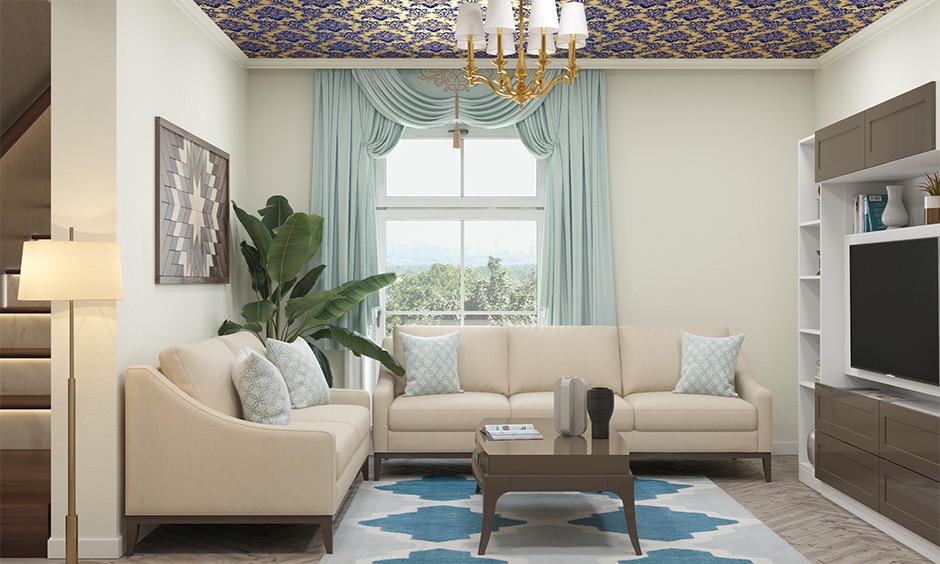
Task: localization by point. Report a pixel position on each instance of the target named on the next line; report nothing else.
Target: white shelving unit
(821, 297)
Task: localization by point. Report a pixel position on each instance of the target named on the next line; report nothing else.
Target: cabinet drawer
(840, 148)
(848, 469)
(902, 126)
(847, 416)
(910, 439)
(911, 500)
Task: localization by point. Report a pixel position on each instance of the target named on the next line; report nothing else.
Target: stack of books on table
(506, 432)
(868, 210)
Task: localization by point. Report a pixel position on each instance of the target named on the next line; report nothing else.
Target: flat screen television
(894, 308)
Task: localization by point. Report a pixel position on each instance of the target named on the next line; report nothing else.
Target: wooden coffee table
(555, 463)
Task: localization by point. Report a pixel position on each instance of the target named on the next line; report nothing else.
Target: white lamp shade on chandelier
(70, 270)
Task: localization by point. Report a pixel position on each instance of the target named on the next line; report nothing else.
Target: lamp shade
(70, 270)
(573, 22)
(499, 16)
(469, 22)
(543, 15)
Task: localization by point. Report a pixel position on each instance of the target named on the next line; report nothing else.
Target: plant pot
(931, 210)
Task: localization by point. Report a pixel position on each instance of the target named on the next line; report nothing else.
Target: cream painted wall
(703, 209)
(117, 65)
(905, 55)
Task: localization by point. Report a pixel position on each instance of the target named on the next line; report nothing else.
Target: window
(461, 228)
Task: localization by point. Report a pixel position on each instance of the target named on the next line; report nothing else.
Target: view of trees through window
(460, 228)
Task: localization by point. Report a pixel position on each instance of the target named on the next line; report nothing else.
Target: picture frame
(192, 208)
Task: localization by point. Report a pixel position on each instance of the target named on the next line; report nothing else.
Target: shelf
(809, 331)
(810, 224)
(808, 385)
(815, 277)
(913, 232)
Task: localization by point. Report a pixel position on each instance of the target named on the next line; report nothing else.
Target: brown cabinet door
(848, 469)
(910, 499)
(902, 126)
(847, 416)
(911, 439)
(840, 148)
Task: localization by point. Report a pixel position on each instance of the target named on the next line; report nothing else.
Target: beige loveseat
(510, 372)
(191, 458)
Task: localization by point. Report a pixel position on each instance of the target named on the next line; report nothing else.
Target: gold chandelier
(500, 26)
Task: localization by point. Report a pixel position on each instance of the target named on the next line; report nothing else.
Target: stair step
(24, 352)
(25, 496)
(25, 429)
(25, 330)
(25, 376)
(26, 402)
(11, 287)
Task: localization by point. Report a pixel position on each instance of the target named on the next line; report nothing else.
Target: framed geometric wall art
(192, 217)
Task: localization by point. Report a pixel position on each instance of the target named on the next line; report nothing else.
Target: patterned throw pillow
(708, 365)
(301, 371)
(261, 388)
(431, 364)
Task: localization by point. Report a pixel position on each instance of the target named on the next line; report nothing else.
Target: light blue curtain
(359, 117)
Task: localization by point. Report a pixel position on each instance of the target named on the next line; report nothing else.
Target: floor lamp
(74, 271)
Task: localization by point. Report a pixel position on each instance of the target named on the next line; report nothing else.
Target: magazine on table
(515, 432)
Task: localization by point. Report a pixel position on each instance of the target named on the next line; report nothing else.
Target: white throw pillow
(301, 371)
(261, 389)
(431, 364)
(708, 365)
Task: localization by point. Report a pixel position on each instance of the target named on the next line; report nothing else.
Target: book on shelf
(868, 210)
(514, 432)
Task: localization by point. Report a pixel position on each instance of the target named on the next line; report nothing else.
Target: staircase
(25, 423)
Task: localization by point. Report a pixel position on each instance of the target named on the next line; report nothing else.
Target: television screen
(894, 304)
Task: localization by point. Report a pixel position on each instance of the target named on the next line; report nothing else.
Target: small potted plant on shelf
(931, 185)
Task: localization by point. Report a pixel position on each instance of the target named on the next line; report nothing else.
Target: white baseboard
(87, 548)
(786, 448)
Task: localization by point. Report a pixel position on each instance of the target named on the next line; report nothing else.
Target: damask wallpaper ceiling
(622, 29)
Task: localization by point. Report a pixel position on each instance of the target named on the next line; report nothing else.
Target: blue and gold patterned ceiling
(621, 29)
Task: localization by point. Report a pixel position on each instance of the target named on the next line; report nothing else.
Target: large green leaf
(316, 301)
(360, 345)
(293, 246)
(259, 234)
(307, 282)
(228, 327)
(259, 312)
(275, 213)
(347, 296)
(259, 276)
(324, 362)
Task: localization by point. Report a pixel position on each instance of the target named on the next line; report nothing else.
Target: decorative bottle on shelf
(895, 214)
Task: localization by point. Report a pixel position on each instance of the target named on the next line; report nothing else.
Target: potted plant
(287, 307)
(931, 185)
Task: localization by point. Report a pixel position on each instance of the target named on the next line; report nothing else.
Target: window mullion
(463, 278)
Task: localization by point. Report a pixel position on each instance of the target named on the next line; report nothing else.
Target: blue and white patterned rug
(436, 519)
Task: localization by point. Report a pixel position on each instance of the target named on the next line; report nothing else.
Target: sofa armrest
(382, 398)
(348, 396)
(183, 458)
(761, 398)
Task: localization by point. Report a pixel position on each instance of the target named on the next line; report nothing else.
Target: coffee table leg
(626, 492)
(491, 493)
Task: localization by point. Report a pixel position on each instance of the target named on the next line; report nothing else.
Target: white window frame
(459, 208)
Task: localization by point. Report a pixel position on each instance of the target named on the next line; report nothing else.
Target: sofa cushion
(481, 356)
(666, 411)
(542, 404)
(458, 412)
(708, 365)
(355, 415)
(539, 355)
(203, 369)
(261, 387)
(651, 356)
(345, 435)
(301, 371)
(431, 364)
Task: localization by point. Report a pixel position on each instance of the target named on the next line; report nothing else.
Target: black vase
(600, 407)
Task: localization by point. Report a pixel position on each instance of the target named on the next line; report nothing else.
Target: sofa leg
(766, 457)
(326, 528)
(133, 530)
(365, 469)
(376, 467)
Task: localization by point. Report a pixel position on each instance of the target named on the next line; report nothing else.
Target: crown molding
(195, 13)
(881, 25)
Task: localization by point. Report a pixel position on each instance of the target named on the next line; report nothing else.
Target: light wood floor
(816, 527)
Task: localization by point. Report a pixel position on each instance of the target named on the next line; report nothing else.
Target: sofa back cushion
(539, 355)
(204, 369)
(481, 356)
(651, 356)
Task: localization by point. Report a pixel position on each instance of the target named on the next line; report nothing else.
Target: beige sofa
(510, 372)
(191, 458)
